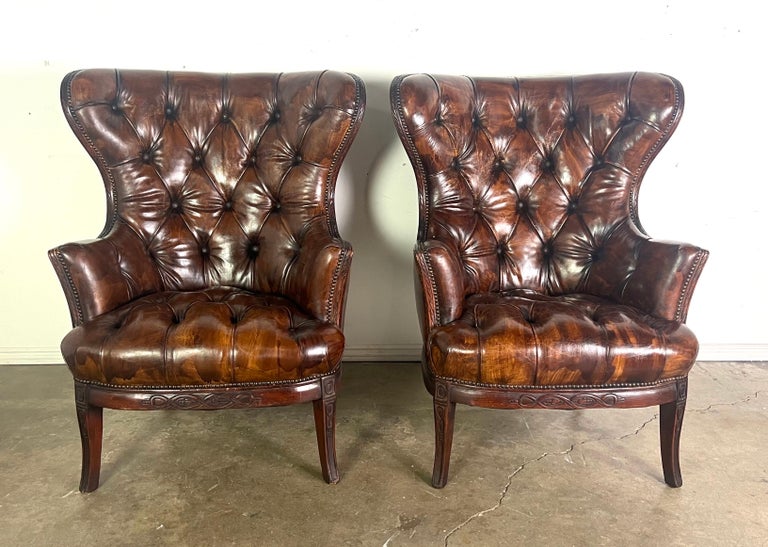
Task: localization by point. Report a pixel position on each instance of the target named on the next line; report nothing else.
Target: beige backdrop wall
(706, 187)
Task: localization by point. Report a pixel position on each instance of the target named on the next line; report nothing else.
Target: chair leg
(670, 426)
(90, 420)
(445, 410)
(325, 428)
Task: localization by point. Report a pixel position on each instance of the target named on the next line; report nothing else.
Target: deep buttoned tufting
(205, 337)
(220, 278)
(525, 338)
(536, 285)
(531, 184)
(213, 181)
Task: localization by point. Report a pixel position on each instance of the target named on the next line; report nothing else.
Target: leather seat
(536, 285)
(220, 278)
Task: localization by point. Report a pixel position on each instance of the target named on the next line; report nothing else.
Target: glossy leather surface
(532, 267)
(213, 336)
(220, 261)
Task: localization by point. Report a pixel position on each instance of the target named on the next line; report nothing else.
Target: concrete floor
(517, 477)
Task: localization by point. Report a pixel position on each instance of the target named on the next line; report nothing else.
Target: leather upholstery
(220, 261)
(532, 267)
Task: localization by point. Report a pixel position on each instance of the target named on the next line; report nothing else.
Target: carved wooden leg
(445, 410)
(90, 419)
(670, 425)
(325, 427)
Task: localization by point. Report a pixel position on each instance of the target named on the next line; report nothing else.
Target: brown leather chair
(536, 284)
(220, 278)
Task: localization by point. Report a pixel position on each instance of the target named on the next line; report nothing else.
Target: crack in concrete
(747, 399)
(511, 476)
(505, 490)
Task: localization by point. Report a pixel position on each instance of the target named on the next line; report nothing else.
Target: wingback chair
(537, 286)
(220, 278)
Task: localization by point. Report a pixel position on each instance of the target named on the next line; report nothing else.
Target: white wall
(706, 187)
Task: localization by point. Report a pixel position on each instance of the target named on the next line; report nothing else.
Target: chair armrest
(319, 279)
(657, 277)
(439, 283)
(663, 281)
(100, 275)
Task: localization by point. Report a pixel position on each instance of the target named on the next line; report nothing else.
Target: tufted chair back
(220, 278)
(533, 183)
(214, 179)
(536, 285)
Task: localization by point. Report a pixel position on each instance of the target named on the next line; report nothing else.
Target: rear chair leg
(670, 425)
(325, 428)
(90, 420)
(445, 410)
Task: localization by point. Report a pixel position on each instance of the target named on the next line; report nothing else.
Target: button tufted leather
(220, 335)
(213, 175)
(560, 340)
(559, 211)
(220, 277)
(535, 280)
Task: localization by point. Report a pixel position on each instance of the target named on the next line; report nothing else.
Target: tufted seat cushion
(220, 277)
(525, 338)
(214, 336)
(536, 284)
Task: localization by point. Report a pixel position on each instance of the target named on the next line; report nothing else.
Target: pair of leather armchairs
(220, 278)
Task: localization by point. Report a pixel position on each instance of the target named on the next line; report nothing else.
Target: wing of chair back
(536, 283)
(220, 277)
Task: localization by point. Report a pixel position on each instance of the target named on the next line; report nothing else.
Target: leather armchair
(537, 286)
(220, 278)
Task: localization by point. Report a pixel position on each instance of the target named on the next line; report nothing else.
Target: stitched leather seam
(650, 154)
(100, 161)
(342, 149)
(334, 282)
(72, 287)
(686, 284)
(414, 155)
(433, 282)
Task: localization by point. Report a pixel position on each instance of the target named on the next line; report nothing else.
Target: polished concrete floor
(252, 477)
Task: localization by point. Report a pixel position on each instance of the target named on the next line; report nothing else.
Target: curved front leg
(670, 426)
(445, 410)
(90, 420)
(325, 428)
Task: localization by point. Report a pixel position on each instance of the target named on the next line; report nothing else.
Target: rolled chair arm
(101, 274)
(439, 283)
(657, 277)
(319, 279)
(663, 281)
